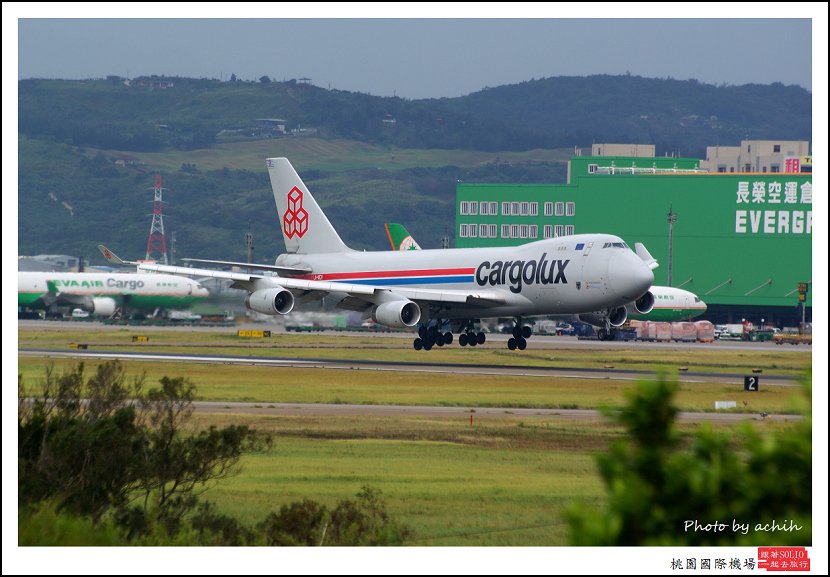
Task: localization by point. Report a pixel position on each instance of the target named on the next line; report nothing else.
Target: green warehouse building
(739, 240)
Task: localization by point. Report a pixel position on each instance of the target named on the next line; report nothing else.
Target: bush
(656, 485)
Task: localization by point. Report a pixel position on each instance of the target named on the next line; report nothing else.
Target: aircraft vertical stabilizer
(305, 229)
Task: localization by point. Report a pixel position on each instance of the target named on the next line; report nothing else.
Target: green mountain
(89, 151)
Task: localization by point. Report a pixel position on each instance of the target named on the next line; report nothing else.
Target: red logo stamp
(783, 559)
(295, 219)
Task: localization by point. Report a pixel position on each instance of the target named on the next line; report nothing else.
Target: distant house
(268, 126)
(126, 160)
(389, 119)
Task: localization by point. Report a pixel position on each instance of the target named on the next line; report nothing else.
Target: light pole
(672, 218)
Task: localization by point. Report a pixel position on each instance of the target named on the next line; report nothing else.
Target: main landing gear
(470, 336)
(520, 335)
(432, 335)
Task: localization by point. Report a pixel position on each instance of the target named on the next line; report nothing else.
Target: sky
(389, 49)
(418, 58)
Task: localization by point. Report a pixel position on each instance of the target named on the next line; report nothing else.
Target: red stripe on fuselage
(387, 274)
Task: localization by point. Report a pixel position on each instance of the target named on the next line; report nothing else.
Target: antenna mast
(156, 242)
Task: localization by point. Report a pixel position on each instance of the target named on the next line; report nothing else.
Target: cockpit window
(615, 245)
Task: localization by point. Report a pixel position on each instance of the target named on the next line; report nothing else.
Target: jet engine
(103, 306)
(272, 301)
(401, 314)
(616, 317)
(642, 305)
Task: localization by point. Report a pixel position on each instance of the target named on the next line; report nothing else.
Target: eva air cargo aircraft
(104, 294)
(432, 290)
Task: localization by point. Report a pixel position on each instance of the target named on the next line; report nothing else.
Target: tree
(102, 446)
(94, 453)
(264, 80)
(656, 485)
(82, 453)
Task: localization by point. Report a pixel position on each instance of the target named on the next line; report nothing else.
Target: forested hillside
(678, 116)
(89, 151)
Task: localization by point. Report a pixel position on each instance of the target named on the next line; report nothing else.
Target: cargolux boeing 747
(428, 290)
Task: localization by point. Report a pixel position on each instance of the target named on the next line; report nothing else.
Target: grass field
(219, 382)
(396, 349)
(308, 153)
(503, 481)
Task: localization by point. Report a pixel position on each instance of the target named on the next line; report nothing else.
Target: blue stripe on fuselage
(411, 280)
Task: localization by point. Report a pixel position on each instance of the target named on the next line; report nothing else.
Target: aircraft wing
(319, 289)
(63, 298)
(268, 267)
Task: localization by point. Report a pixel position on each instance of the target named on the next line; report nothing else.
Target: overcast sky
(418, 58)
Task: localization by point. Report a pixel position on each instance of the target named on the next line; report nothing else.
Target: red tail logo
(295, 219)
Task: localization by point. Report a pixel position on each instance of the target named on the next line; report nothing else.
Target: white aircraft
(670, 304)
(103, 294)
(429, 289)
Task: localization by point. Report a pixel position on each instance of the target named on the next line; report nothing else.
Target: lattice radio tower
(156, 242)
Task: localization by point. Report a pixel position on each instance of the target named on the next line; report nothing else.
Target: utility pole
(672, 218)
(173, 247)
(249, 247)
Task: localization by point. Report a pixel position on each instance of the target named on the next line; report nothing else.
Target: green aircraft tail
(399, 237)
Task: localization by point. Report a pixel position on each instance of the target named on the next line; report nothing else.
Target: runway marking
(166, 357)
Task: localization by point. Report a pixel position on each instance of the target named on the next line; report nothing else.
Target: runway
(537, 342)
(412, 367)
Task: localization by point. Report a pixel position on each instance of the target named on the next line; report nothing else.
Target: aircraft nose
(629, 276)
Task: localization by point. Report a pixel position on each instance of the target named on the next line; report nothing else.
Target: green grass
(396, 349)
(502, 482)
(490, 484)
(447, 494)
(219, 382)
(309, 153)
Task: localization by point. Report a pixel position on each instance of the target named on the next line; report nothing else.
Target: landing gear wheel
(418, 344)
(521, 342)
(526, 332)
(471, 339)
(602, 334)
(462, 339)
(517, 332)
(448, 338)
(481, 337)
(511, 344)
(428, 345)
